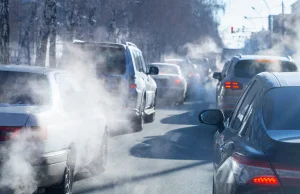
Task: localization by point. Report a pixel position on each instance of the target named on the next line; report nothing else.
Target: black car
(257, 149)
(125, 76)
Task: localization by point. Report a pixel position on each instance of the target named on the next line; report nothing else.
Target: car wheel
(138, 123)
(213, 187)
(99, 164)
(65, 186)
(151, 118)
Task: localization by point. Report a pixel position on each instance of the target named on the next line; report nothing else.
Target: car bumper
(170, 93)
(51, 169)
(251, 189)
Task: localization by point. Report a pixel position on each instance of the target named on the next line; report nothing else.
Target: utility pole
(283, 27)
(4, 32)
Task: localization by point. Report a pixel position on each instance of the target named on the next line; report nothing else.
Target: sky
(235, 12)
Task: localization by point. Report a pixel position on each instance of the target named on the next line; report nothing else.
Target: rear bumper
(251, 189)
(51, 169)
(170, 93)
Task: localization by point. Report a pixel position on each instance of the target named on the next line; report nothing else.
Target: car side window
(142, 63)
(240, 115)
(238, 105)
(137, 61)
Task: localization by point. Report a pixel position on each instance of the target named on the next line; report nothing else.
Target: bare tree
(4, 32)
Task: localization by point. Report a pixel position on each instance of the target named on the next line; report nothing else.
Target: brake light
(232, 85)
(177, 81)
(132, 86)
(265, 180)
(249, 171)
(32, 133)
(7, 133)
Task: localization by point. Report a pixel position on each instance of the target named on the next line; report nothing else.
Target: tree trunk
(53, 25)
(4, 32)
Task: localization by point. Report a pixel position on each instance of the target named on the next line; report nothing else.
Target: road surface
(171, 155)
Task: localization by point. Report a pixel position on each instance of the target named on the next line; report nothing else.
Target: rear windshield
(167, 69)
(249, 68)
(109, 60)
(281, 108)
(24, 88)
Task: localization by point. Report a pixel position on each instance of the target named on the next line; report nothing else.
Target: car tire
(66, 184)
(138, 122)
(150, 118)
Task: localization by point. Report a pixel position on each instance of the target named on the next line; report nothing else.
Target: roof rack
(289, 57)
(130, 44)
(78, 41)
(239, 55)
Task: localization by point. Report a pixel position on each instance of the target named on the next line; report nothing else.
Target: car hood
(16, 115)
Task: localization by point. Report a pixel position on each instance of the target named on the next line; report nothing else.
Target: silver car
(46, 123)
(171, 84)
(238, 72)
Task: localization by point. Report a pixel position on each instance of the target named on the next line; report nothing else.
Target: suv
(238, 72)
(122, 69)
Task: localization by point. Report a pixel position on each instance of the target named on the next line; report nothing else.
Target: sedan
(48, 129)
(257, 149)
(171, 85)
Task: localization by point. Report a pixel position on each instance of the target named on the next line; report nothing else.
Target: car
(238, 72)
(171, 85)
(46, 123)
(256, 150)
(189, 73)
(122, 69)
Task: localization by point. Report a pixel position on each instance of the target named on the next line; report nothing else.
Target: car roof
(109, 44)
(282, 79)
(257, 57)
(166, 64)
(28, 69)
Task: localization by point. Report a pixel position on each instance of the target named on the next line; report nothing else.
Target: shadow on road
(134, 179)
(192, 143)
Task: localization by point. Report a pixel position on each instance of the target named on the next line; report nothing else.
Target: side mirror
(153, 70)
(218, 76)
(212, 117)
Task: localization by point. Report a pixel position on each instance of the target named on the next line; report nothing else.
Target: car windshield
(281, 108)
(249, 68)
(167, 69)
(24, 88)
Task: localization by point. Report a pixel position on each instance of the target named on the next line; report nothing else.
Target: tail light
(233, 85)
(132, 86)
(191, 74)
(9, 133)
(249, 171)
(177, 81)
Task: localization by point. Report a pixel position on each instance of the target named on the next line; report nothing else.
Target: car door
(223, 140)
(220, 82)
(150, 84)
(141, 77)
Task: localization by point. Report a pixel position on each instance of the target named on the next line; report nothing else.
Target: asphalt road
(171, 155)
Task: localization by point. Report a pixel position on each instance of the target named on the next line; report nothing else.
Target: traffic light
(232, 30)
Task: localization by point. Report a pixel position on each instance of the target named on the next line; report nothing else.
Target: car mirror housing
(153, 70)
(212, 117)
(218, 76)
